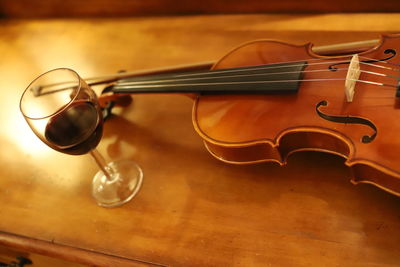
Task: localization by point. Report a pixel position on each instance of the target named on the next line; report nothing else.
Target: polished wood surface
(8, 255)
(42, 253)
(192, 210)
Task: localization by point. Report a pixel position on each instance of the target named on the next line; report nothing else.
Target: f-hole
(348, 119)
(390, 52)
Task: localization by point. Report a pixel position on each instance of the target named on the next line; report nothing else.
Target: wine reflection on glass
(63, 111)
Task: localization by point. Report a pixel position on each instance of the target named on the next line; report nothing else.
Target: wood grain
(192, 209)
(8, 255)
(55, 252)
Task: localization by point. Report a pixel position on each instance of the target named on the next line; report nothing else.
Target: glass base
(127, 178)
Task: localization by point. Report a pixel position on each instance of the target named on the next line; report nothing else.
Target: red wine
(76, 130)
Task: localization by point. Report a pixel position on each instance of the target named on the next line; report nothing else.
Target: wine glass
(63, 111)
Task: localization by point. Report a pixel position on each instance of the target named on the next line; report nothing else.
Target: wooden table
(192, 209)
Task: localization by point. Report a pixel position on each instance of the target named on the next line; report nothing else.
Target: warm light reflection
(19, 132)
(49, 165)
(22, 147)
(64, 52)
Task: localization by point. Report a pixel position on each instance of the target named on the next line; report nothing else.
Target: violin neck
(263, 79)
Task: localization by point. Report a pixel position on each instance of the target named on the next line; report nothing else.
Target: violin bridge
(353, 74)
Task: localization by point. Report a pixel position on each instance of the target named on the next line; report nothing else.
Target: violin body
(309, 110)
(247, 129)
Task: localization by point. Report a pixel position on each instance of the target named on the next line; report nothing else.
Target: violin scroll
(108, 100)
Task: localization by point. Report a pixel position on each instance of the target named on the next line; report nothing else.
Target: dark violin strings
(128, 83)
(123, 83)
(135, 72)
(264, 67)
(146, 84)
(253, 82)
(254, 68)
(210, 74)
(217, 77)
(195, 79)
(379, 66)
(384, 62)
(293, 61)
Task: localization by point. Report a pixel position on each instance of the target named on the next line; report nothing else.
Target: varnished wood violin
(267, 99)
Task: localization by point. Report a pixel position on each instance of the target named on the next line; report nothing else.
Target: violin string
(377, 73)
(249, 82)
(207, 72)
(384, 62)
(243, 75)
(117, 75)
(379, 66)
(138, 85)
(272, 65)
(256, 68)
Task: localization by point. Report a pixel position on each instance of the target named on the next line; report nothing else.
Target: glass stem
(101, 163)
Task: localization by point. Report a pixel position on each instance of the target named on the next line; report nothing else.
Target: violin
(266, 99)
